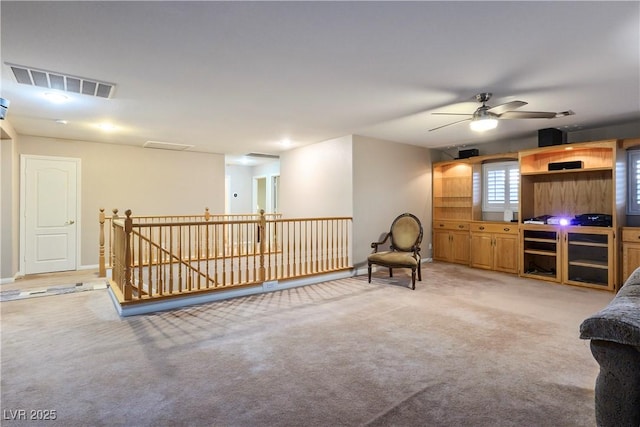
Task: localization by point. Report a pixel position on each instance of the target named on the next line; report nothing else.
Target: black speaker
(558, 166)
(465, 154)
(551, 136)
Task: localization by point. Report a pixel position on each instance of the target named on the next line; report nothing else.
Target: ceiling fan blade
(503, 108)
(449, 124)
(453, 114)
(527, 115)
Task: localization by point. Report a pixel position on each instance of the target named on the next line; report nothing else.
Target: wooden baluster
(128, 226)
(111, 234)
(102, 271)
(261, 238)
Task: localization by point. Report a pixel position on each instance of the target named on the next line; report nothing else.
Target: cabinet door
(505, 253)
(588, 258)
(460, 247)
(630, 259)
(441, 245)
(481, 255)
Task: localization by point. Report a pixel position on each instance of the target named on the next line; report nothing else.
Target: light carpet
(467, 347)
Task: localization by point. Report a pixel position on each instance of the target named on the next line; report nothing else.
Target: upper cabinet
(453, 190)
(457, 187)
(572, 179)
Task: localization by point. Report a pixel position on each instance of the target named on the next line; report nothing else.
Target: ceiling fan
(486, 117)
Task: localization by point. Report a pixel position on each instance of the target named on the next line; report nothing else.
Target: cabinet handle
(441, 225)
(507, 229)
(460, 226)
(482, 227)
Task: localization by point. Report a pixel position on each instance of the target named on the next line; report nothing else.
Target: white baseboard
(271, 286)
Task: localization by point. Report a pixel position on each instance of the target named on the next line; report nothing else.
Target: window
(501, 184)
(633, 202)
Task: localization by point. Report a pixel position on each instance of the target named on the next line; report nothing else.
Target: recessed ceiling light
(285, 142)
(55, 97)
(107, 127)
(61, 122)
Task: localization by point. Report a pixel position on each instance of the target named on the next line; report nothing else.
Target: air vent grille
(263, 155)
(47, 79)
(166, 146)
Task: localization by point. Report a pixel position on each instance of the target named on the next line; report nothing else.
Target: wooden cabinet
(451, 241)
(453, 190)
(630, 251)
(494, 246)
(589, 257)
(540, 252)
(582, 256)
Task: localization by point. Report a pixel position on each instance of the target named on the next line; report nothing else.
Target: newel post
(128, 227)
(261, 235)
(207, 214)
(102, 271)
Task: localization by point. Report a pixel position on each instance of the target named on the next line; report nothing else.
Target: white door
(50, 212)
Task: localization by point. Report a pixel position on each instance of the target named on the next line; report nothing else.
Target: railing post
(207, 214)
(128, 227)
(261, 236)
(102, 271)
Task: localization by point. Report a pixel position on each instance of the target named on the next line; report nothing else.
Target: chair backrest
(406, 232)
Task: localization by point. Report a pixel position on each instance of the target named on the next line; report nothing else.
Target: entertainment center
(569, 227)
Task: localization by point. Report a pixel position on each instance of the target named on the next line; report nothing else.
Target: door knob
(70, 222)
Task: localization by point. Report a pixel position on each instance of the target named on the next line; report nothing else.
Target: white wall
(240, 192)
(9, 203)
(155, 182)
(388, 179)
(316, 180)
(241, 182)
(371, 180)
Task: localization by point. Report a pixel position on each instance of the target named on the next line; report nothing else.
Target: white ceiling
(238, 77)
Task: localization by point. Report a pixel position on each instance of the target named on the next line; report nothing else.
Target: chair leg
(369, 272)
(413, 279)
(390, 272)
(419, 272)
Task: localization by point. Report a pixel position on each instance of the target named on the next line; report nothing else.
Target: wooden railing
(106, 236)
(154, 259)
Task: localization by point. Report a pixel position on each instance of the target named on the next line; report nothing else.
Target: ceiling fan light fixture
(483, 123)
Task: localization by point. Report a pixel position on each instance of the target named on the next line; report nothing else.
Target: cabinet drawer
(630, 234)
(493, 227)
(450, 225)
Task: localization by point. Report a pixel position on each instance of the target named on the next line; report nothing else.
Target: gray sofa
(615, 344)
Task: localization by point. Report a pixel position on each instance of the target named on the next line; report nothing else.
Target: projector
(4, 106)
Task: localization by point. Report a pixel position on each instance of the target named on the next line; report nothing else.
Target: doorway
(260, 194)
(49, 211)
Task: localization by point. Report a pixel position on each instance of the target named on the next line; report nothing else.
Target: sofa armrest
(619, 321)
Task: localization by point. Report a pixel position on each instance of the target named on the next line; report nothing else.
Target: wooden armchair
(406, 236)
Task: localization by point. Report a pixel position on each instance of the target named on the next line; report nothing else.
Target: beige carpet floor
(466, 348)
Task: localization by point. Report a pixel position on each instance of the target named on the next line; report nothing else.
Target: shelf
(590, 263)
(540, 252)
(540, 274)
(566, 171)
(589, 244)
(535, 239)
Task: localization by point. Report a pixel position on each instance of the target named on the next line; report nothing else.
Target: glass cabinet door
(588, 257)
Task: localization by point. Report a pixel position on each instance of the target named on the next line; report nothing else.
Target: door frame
(23, 197)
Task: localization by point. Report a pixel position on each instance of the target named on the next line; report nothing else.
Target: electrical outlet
(267, 286)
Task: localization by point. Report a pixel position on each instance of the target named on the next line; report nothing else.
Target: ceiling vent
(59, 81)
(166, 146)
(263, 155)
